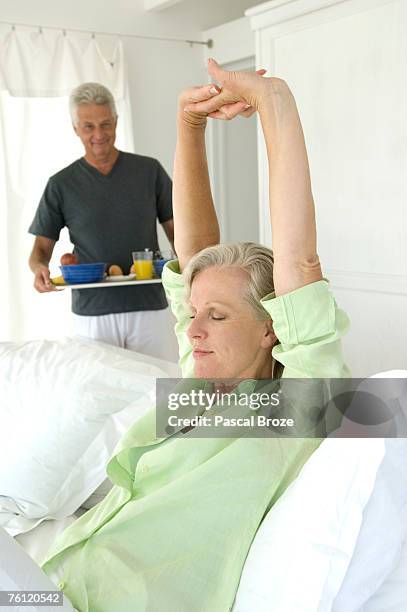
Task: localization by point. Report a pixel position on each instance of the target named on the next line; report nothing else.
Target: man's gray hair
(90, 93)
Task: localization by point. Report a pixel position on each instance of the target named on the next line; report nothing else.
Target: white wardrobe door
(349, 78)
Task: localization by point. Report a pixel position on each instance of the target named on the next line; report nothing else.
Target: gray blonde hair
(90, 93)
(254, 259)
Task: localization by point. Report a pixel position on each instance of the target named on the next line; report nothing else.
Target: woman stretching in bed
(174, 532)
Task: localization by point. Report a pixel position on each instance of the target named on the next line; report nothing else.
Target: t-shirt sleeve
(163, 195)
(48, 220)
(174, 286)
(309, 326)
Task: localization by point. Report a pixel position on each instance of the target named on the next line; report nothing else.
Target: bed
(334, 542)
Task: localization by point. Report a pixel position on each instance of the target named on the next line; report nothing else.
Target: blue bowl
(83, 273)
(159, 265)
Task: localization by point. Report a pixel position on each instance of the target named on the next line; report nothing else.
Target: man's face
(96, 127)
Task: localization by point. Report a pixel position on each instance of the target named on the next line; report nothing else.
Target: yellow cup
(143, 264)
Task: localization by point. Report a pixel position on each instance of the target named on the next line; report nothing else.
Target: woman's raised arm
(195, 221)
(292, 213)
(296, 262)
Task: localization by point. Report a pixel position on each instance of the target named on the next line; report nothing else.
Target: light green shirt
(173, 534)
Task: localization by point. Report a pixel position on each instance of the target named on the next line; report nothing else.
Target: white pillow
(302, 549)
(392, 595)
(375, 574)
(63, 407)
(384, 527)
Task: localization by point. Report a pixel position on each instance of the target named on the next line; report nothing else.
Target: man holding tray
(110, 202)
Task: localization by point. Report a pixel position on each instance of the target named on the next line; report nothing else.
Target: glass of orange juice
(143, 264)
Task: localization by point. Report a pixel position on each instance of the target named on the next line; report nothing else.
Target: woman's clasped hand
(231, 94)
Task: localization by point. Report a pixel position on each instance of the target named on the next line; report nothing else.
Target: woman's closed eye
(214, 317)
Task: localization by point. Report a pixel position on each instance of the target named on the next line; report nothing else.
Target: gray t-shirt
(108, 217)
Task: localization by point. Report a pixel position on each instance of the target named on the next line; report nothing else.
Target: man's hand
(38, 262)
(42, 281)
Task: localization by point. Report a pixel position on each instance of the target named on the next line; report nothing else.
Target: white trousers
(147, 331)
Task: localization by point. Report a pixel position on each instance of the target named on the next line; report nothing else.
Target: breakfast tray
(107, 283)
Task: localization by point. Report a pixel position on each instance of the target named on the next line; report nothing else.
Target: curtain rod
(13, 25)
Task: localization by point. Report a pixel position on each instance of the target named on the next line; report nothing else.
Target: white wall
(377, 338)
(184, 19)
(158, 71)
(126, 16)
(232, 147)
(232, 41)
(232, 155)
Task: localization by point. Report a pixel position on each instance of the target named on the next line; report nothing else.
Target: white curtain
(37, 72)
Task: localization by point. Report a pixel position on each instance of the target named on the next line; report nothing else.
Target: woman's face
(228, 340)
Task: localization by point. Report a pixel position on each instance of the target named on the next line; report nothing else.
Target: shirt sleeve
(307, 322)
(175, 290)
(163, 195)
(309, 326)
(48, 220)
